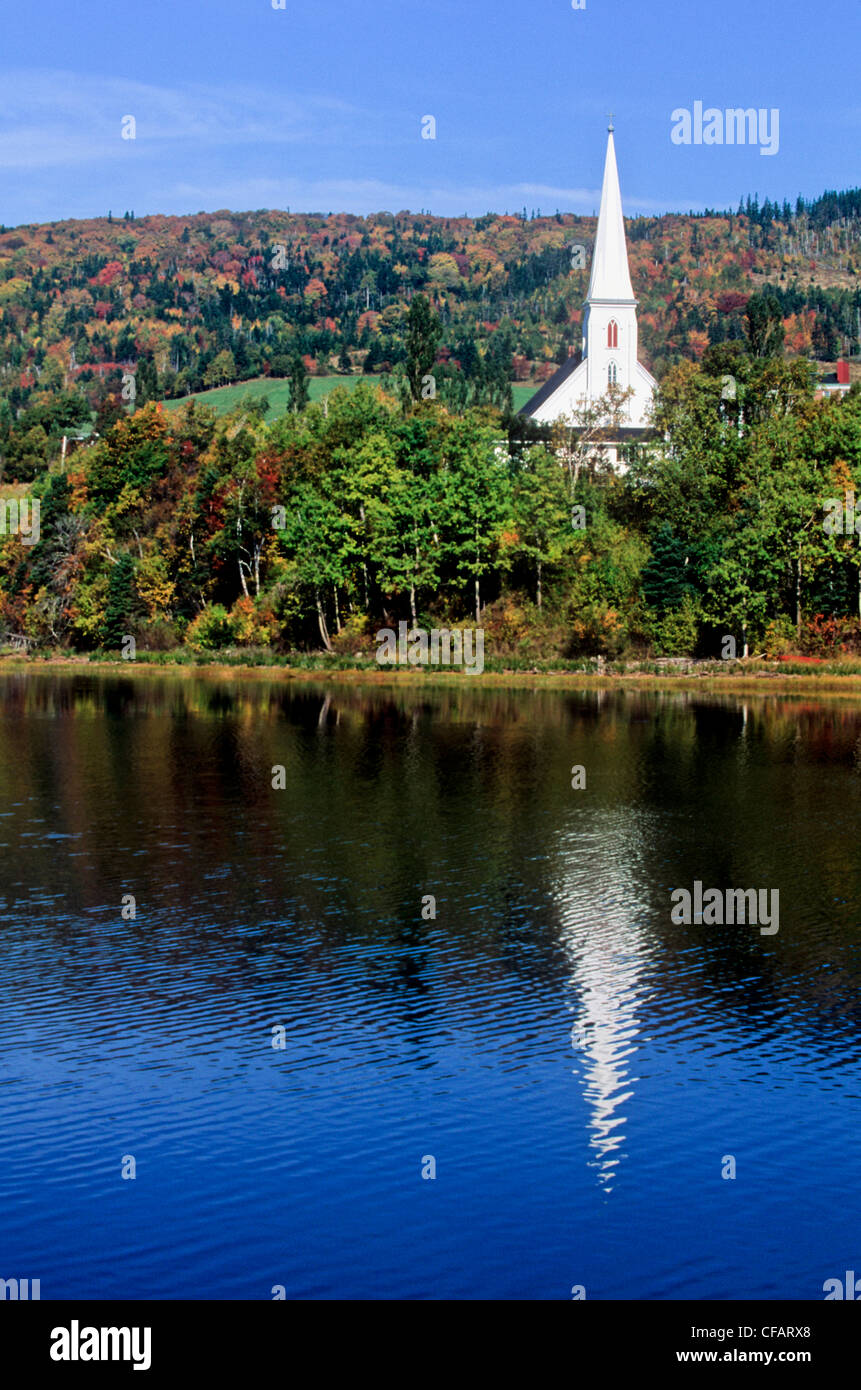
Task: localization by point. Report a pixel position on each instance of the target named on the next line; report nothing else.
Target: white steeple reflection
(609, 955)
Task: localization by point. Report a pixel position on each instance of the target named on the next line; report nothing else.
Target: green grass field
(521, 391)
(276, 389)
(225, 398)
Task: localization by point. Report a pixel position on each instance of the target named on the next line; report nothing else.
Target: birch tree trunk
(364, 566)
(798, 598)
(321, 619)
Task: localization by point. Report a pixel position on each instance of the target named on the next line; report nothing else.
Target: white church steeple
(610, 310)
(611, 278)
(610, 336)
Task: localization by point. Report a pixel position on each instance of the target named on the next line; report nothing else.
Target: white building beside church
(609, 331)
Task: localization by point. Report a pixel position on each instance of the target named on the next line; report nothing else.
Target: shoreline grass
(841, 679)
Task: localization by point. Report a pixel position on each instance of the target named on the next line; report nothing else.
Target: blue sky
(318, 106)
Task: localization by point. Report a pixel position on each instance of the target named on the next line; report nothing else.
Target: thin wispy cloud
(57, 118)
(203, 146)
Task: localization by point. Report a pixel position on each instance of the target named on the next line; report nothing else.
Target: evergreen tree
(120, 603)
(423, 335)
(764, 325)
(298, 384)
(670, 574)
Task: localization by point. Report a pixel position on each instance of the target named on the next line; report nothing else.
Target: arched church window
(612, 334)
(611, 374)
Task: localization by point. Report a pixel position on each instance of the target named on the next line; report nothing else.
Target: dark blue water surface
(579, 1067)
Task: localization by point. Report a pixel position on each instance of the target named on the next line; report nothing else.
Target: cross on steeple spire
(611, 127)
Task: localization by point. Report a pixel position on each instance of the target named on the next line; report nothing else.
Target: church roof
(551, 384)
(611, 278)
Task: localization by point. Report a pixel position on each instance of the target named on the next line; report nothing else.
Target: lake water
(579, 1067)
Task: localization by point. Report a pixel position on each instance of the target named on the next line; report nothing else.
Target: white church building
(609, 333)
